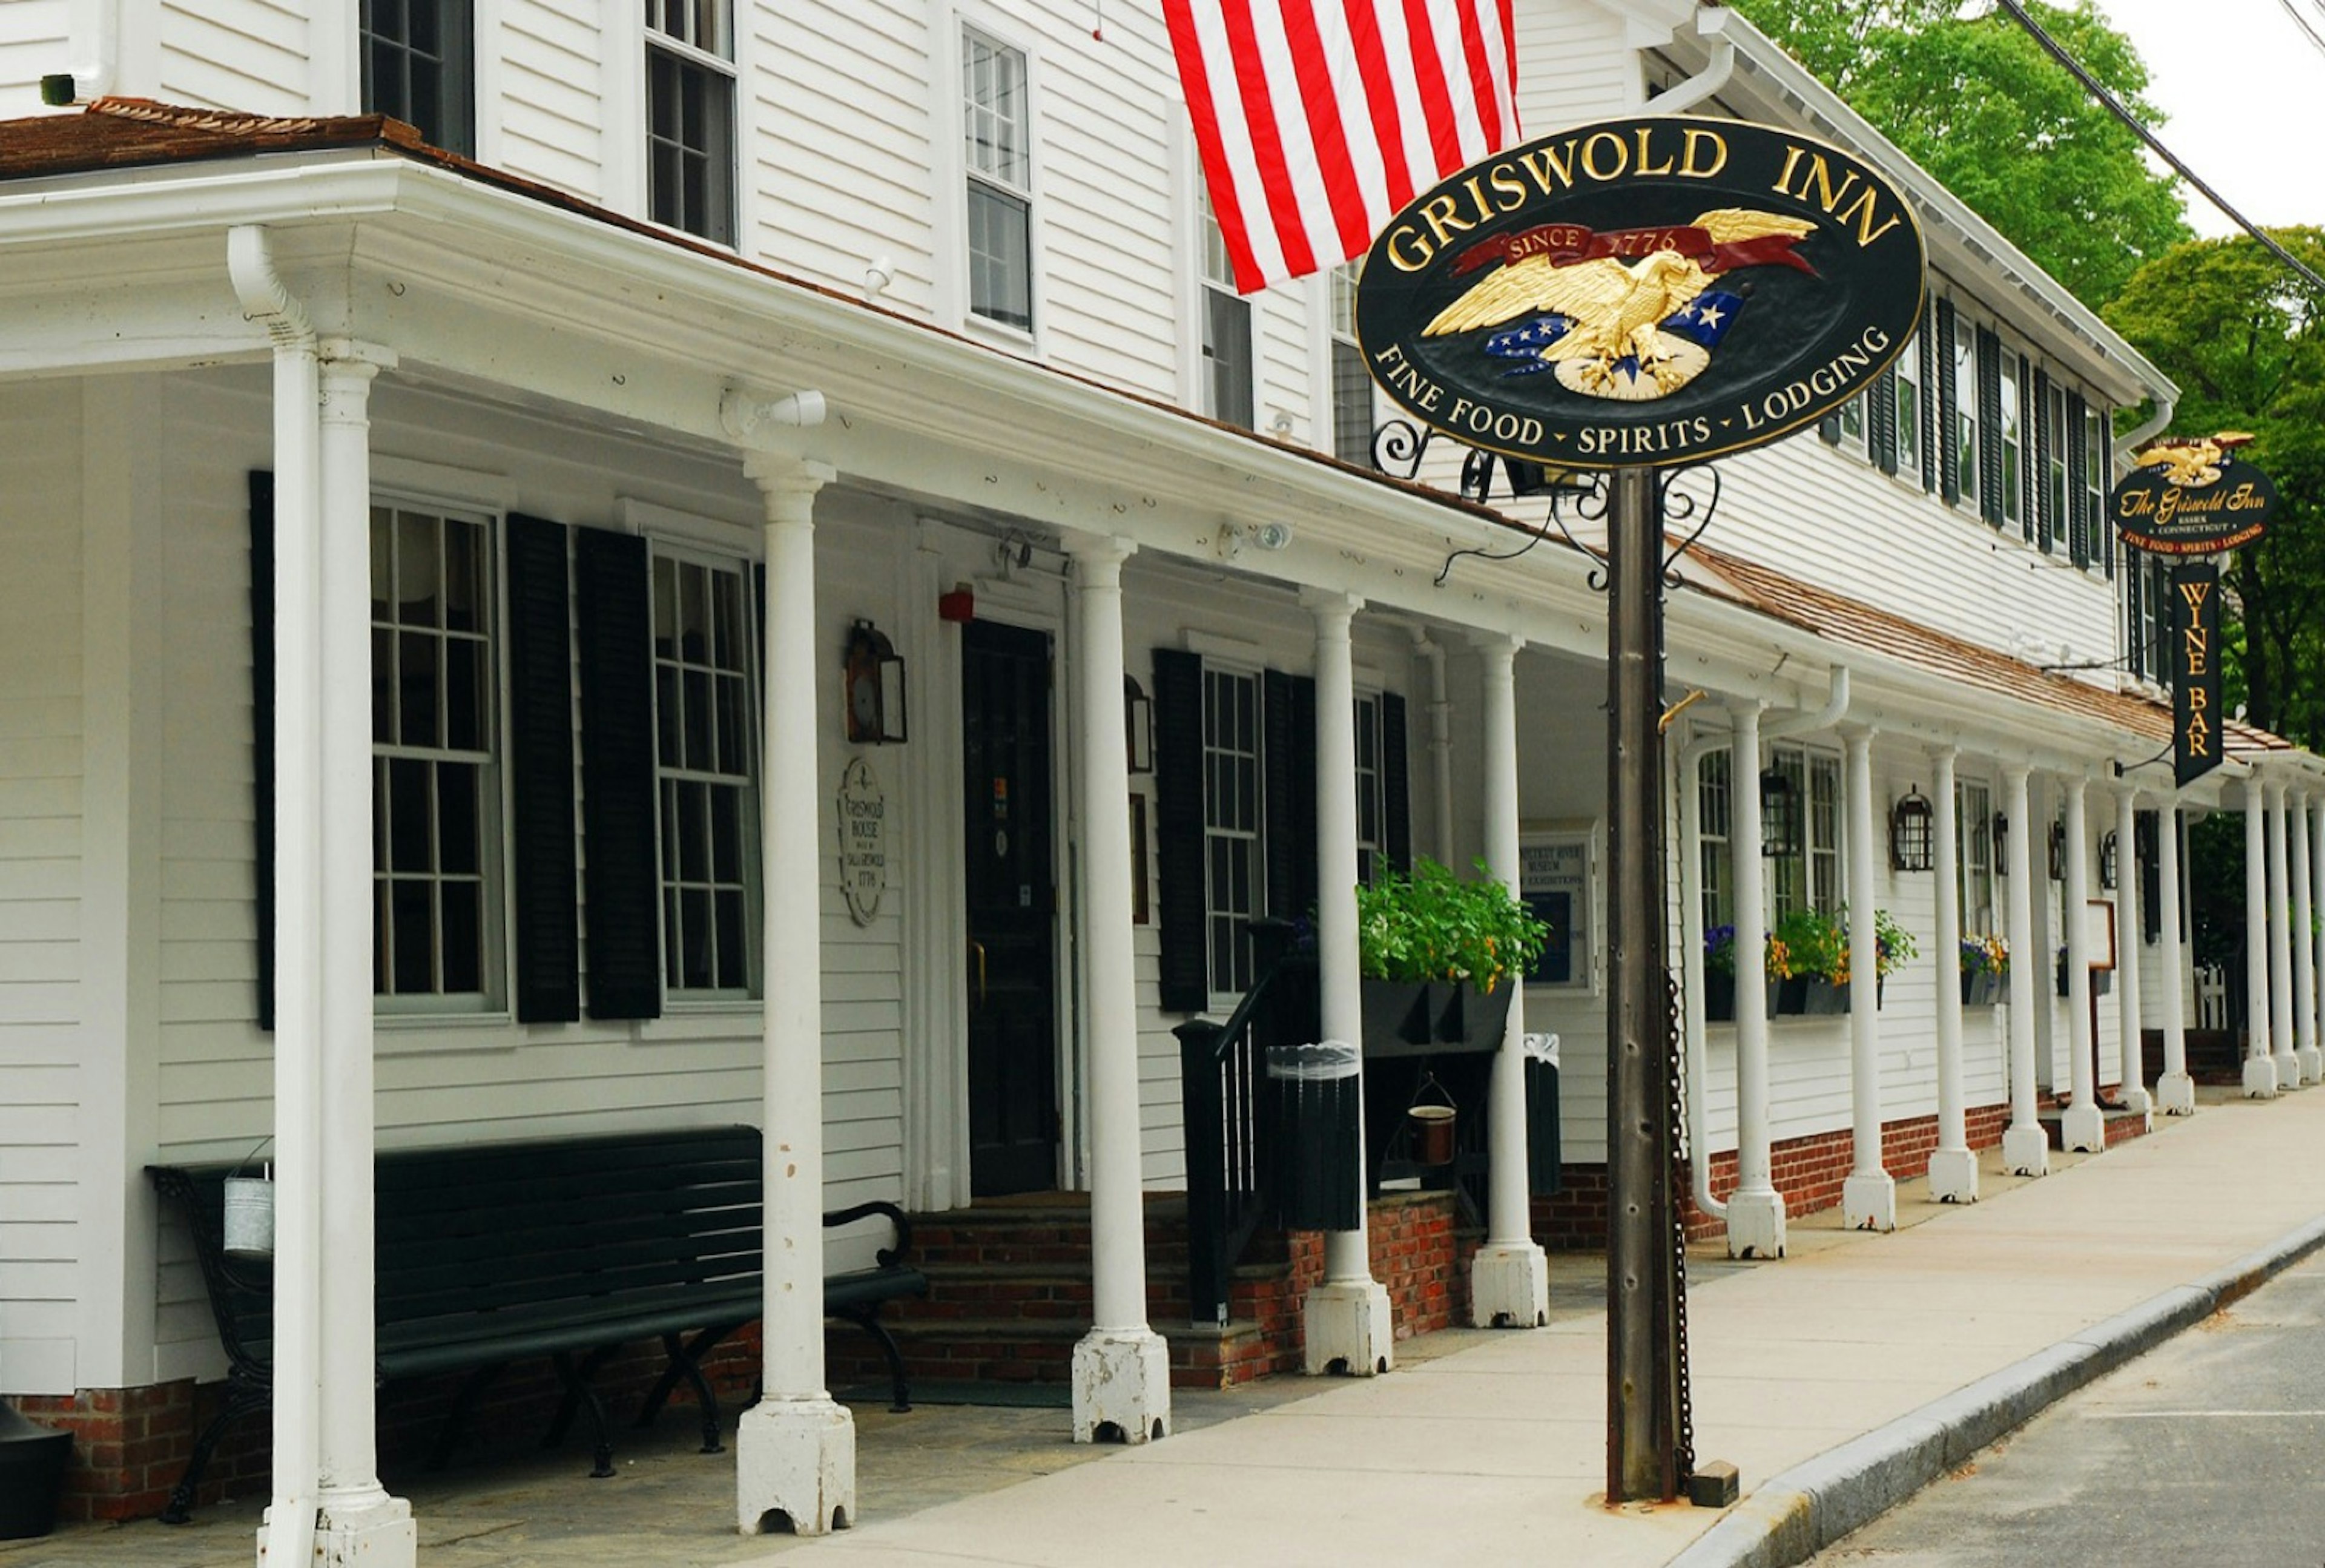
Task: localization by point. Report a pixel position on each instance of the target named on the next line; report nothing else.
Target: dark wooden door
(1011, 968)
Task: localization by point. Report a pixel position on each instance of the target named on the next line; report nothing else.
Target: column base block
(2136, 1100)
(795, 1468)
(2260, 1078)
(1122, 1386)
(1870, 1202)
(1953, 1176)
(373, 1532)
(2313, 1064)
(2026, 1151)
(2288, 1070)
(1755, 1224)
(2083, 1129)
(1509, 1286)
(2175, 1094)
(1349, 1328)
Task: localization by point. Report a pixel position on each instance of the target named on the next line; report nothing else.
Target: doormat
(1013, 1395)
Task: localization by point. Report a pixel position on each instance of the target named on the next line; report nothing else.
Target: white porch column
(358, 1522)
(1347, 1322)
(1509, 1277)
(1953, 1169)
(2127, 945)
(2304, 940)
(795, 1448)
(1868, 1198)
(1121, 1368)
(2083, 1128)
(2025, 1146)
(1755, 1210)
(2315, 940)
(2281, 1037)
(2260, 1067)
(2175, 1091)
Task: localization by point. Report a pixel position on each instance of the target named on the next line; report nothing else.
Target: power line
(2107, 100)
(2300, 19)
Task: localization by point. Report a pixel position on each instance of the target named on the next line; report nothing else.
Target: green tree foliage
(2243, 338)
(1975, 101)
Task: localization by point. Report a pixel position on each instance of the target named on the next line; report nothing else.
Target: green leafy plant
(1808, 944)
(1434, 926)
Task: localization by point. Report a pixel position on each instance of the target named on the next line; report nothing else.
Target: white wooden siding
(236, 54)
(35, 41)
(41, 806)
(1572, 66)
(553, 99)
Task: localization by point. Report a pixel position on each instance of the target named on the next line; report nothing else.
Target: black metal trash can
(32, 1461)
(1543, 1173)
(1315, 1095)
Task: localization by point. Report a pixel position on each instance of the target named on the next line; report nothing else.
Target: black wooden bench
(566, 1249)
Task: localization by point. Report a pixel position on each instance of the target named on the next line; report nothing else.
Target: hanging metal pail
(1432, 1134)
(249, 1217)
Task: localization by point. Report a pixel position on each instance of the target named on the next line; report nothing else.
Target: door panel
(1011, 972)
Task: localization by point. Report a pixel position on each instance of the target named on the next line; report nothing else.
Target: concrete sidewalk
(1837, 1379)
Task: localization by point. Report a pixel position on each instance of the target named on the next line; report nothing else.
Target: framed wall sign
(1557, 880)
(2099, 932)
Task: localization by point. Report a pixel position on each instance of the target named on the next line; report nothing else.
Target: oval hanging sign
(2189, 497)
(1641, 292)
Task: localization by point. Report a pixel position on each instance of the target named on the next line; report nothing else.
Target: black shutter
(1883, 424)
(2135, 618)
(1989, 426)
(541, 772)
(1185, 972)
(262, 731)
(2103, 535)
(621, 883)
(1280, 794)
(2048, 523)
(2082, 529)
(1926, 409)
(1303, 795)
(1396, 787)
(1949, 447)
(2147, 842)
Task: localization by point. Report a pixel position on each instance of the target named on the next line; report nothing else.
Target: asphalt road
(2209, 1451)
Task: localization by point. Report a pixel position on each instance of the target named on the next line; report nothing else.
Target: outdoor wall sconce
(2107, 860)
(1911, 827)
(2058, 851)
(873, 686)
(1138, 724)
(2001, 841)
(1780, 816)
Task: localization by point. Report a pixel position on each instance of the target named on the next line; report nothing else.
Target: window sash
(1000, 255)
(1908, 410)
(1965, 411)
(1715, 800)
(418, 66)
(1227, 358)
(1974, 871)
(1231, 825)
(1826, 892)
(706, 754)
(691, 144)
(2013, 442)
(996, 119)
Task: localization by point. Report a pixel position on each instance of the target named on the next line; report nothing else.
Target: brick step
(1005, 1350)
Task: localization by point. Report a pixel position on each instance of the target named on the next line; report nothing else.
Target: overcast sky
(2245, 91)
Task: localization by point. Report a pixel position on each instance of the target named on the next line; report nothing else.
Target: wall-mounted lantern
(2058, 851)
(2107, 860)
(1138, 724)
(1911, 828)
(872, 686)
(1780, 815)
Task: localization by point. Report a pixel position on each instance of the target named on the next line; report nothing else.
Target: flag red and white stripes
(1318, 120)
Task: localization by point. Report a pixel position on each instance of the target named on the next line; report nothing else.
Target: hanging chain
(1677, 1176)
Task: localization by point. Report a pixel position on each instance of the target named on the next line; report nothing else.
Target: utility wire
(2306, 25)
(2107, 100)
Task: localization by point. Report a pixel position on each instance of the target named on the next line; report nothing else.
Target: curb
(1812, 1505)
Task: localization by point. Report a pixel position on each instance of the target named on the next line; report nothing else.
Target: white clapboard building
(639, 603)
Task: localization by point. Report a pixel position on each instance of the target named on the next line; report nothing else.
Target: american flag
(1319, 119)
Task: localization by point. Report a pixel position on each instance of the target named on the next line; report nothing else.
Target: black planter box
(1825, 999)
(1719, 997)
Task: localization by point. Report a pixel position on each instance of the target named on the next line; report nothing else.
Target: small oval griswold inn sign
(2189, 497)
(1641, 292)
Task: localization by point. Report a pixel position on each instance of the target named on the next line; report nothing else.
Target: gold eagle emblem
(2193, 464)
(1617, 310)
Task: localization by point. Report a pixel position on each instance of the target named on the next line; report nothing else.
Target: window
(418, 66)
(1715, 801)
(1974, 856)
(704, 749)
(2100, 539)
(434, 783)
(2014, 445)
(1371, 806)
(998, 122)
(690, 116)
(1231, 823)
(1908, 410)
(1352, 387)
(2054, 481)
(1227, 331)
(1966, 412)
(1811, 879)
(1852, 424)
(2150, 591)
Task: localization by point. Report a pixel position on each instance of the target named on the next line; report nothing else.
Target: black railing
(1222, 1067)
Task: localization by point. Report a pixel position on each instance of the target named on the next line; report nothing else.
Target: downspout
(1440, 743)
(2165, 407)
(1690, 878)
(1711, 23)
(289, 1532)
(96, 48)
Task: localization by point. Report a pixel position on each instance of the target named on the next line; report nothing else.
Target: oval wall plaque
(863, 840)
(2190, 499)
(1641, 292)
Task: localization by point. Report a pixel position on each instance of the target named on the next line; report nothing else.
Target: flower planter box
(1981, 989)
(1824, 999)
(1410, 1017)
(1788, 998)
(2102, 981)
(1719, 997)
(1394, 1012)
